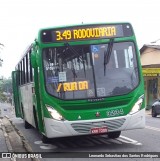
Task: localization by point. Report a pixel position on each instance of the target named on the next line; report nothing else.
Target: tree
(5, 89)
(7, 85)
(0, 58)
(3, 97)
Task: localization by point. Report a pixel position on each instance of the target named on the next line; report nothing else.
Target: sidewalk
(11, 140)
(5, 145)
(3, 141)
(148, 112)
(6, 109)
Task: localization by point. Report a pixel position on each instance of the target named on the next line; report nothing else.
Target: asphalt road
(140, 140)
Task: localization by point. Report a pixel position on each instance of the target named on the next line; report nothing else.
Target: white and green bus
(81, 80)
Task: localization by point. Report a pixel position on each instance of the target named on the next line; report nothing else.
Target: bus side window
(30, 68)
(19, 74)
(26, 67)
(24, 59)
(22, 77)
(23, 71)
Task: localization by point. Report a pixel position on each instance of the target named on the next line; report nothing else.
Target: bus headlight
(55, 115)
(137, 106)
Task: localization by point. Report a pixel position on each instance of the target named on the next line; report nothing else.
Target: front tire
(114, 135)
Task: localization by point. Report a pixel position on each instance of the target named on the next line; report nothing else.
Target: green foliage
(3, 97)
(5, 88)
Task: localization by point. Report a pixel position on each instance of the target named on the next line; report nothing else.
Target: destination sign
(72, 86)
(86, 32)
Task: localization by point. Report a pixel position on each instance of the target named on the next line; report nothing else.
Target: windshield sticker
(52, 80)
(94, 48)
(49, 66)
(62, 76)
(90, 92)
(72, 86)
(96, 56)
(101, 92)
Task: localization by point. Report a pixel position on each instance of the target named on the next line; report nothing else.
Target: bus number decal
(72, 86)
(116, 112)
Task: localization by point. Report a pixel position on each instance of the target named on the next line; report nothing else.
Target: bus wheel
(114, 135)
(45, 139)
(27, 125)
(22, 111)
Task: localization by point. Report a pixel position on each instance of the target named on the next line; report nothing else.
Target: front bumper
(72, 128)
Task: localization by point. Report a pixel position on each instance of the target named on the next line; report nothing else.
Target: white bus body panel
(27, 102)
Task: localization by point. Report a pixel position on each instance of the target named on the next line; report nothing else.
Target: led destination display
(85, 33)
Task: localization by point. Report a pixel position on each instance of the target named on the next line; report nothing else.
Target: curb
(8, 144)
(24, 141)
(10, 149)
(8, 133)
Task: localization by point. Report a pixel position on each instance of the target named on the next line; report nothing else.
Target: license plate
(99, 130)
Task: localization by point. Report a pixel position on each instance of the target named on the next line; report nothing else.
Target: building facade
(150, 60)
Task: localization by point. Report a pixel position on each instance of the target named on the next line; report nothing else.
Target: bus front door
(15, 85)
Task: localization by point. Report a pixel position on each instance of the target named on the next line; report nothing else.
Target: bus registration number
(98, 130)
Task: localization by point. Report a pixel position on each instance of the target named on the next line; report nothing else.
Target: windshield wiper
(78, 56)
(72, 49)
(75, 53)
(107, 54)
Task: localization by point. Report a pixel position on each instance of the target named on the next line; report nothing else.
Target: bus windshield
(81, 71)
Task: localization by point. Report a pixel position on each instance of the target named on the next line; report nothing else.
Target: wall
(150, 56)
